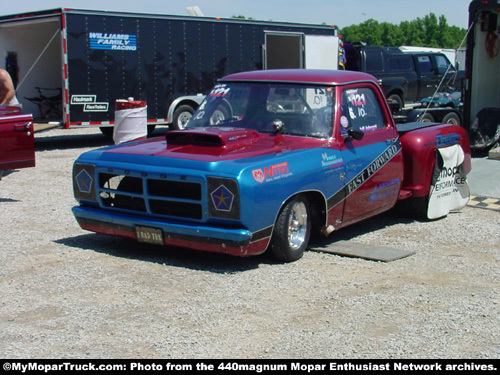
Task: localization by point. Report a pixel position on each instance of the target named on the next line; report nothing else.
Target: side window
(360, 111)
(424, 62)
(374, 61)
(443, 64)
(400, 63)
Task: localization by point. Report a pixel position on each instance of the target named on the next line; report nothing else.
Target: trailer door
(283, 51)
(321, 52)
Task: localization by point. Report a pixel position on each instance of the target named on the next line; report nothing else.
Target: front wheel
(292, 230)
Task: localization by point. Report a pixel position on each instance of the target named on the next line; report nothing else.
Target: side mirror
(278, 126)
(354, 134)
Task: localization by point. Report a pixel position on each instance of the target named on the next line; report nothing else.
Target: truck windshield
(291, 109)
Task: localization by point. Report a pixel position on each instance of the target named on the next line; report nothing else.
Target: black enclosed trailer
(96, 57)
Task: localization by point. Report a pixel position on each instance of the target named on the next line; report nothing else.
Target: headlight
(84, 182)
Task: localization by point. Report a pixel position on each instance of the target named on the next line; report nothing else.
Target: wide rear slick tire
(292, 230)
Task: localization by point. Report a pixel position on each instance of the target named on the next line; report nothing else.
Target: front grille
(171, 196)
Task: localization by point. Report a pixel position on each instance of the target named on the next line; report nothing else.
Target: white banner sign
(449, 189)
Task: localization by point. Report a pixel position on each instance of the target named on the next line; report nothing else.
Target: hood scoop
(226, 137)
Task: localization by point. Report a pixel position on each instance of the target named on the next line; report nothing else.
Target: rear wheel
(452, 118)
(427, 117)
(292, 230)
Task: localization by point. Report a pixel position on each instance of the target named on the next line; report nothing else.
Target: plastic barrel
(130, 120)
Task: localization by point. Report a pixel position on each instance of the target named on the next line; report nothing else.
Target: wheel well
(398, 92)
(317, 203)
(187, 102)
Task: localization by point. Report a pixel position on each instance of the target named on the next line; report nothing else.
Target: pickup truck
(406, 77)
(17, 143)
(269, 158)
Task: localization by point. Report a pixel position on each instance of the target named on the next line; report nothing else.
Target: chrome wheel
(297, 225)
(292, 230)
(183, 119)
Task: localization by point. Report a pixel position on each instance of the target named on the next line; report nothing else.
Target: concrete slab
(484, 178)
(364, 251)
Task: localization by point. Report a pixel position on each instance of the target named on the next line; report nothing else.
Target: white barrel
(130, 120)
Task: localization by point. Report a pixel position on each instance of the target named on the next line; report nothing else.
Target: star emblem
(222, 198)
(84, 181)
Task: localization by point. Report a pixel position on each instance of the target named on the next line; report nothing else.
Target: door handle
(22, 127)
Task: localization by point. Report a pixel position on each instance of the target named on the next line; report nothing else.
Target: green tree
(429, 31)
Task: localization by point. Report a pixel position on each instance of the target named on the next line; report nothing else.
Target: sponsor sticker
(272, 172)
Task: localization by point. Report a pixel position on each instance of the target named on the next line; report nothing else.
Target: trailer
(482, 64)
(70, 66)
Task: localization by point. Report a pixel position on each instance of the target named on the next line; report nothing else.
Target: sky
(332, 12)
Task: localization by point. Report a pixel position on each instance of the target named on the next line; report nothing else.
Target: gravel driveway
(67, 293)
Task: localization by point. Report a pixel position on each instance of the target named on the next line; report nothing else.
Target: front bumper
(238, 242)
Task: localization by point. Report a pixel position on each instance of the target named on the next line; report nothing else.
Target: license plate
(149, 235)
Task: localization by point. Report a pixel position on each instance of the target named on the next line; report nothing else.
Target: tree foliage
(429, 31)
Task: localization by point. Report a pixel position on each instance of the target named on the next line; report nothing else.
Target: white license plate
(149, 235)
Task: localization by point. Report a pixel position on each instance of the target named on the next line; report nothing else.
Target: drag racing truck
(269, 159)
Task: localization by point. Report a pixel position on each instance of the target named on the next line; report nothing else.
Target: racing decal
(373, 168)
(219, 90)
(447, 140)
(272, 172)
(118, 42)
(222, 198)
(331, 161)
(364, 175)
(385, 190)
(344, 122)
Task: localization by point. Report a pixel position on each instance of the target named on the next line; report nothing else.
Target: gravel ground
(67, 293)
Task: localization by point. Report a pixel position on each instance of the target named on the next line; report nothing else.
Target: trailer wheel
(182, 115)
(292, 230)
(452, 118)
(427, 117)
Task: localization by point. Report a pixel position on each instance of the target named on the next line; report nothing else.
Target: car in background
(17, 141)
